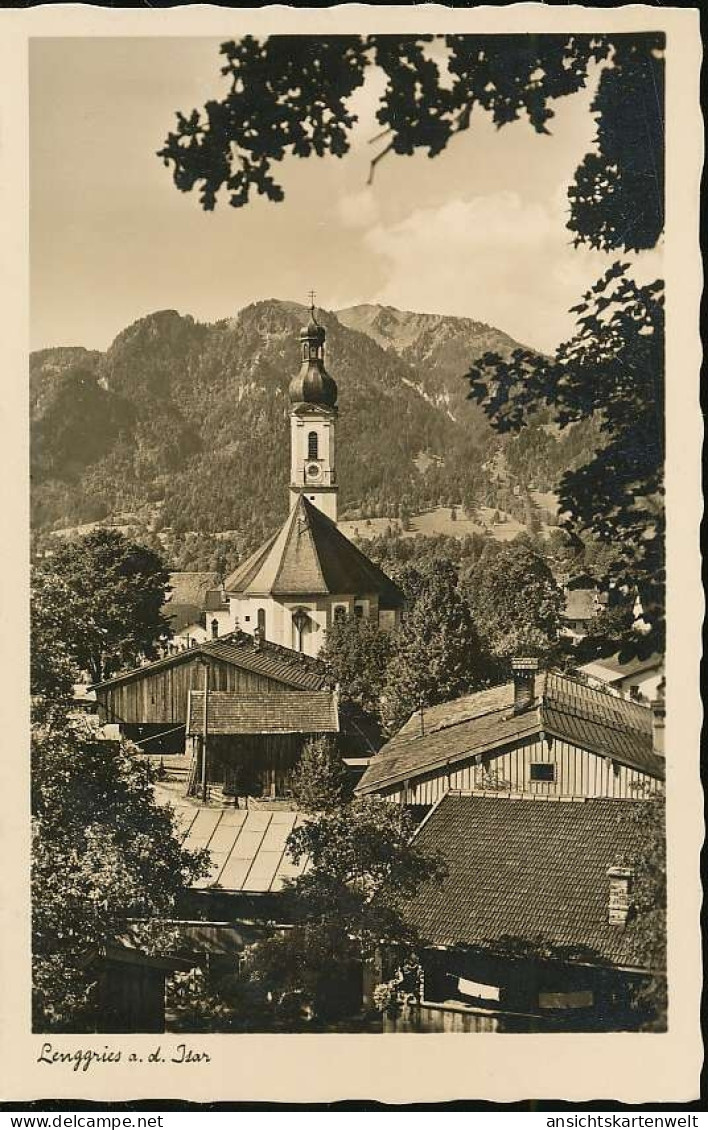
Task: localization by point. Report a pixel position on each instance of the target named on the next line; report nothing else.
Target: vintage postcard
(351, 600)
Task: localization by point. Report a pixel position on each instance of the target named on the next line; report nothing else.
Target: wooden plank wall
(578, 773)
(161, 695)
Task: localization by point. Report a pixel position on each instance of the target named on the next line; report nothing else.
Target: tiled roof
(309, 556)
(181, 616)
(247, 846)
(282, 712)
(191, 588)
(592, 718)
(283, 665)
(580, 604)
(528, 868)
(214, 601)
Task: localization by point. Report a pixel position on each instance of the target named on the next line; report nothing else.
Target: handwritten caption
(82, 1059)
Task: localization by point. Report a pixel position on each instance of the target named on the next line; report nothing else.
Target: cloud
(496, 258)
(359, 209)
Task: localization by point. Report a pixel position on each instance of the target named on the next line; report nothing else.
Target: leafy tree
(59, 627)
(438, 654)
(515, 601)
(117, 589)
(613, 368)
(319, 780)
(649, 901)
(290, 95)
(363, 870)
(357, 653)
(103, 852)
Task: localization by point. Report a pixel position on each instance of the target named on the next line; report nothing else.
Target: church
(308, 575)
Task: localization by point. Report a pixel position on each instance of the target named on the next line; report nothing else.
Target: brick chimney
(618, 904)
(524, 673)
(658, 714)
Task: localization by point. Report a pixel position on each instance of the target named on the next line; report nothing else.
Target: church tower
(313, 414)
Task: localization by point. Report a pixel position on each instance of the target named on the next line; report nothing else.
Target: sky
(478, 231)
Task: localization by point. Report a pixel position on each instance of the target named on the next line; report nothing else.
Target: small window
(312, 446)
(247, 619)
(214, 629)
(359, 611)
(340, 613)
(543, 771)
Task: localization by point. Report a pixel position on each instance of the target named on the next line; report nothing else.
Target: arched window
(340, 613)
(312, 448)
(262, 623)
(214, 629)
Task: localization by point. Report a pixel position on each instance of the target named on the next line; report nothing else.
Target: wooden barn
(254, 741)
(150, 703)
(543, 734)
(532, 928)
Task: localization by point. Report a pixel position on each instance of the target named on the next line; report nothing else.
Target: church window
(312, 446)
(340, 613)
(262, 623)
(214, 629)
(359, 610)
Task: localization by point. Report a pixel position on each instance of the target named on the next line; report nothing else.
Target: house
(150, 703)
(581, 606)
(308, 575)
(638, 678)
(543, 734)
(195, 609)
(532, 929)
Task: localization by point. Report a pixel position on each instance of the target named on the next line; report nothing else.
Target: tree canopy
(291, 96)
(100, 596)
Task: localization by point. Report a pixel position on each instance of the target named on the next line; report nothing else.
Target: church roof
(309, 556)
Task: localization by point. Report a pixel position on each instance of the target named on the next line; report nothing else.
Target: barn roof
(310, 556)
(590, 717)
(281, 712)
(247, 846)
(528, 868)
(281, 664)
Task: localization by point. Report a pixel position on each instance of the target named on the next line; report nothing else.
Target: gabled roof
(528, 868)
(309, 556)
(247, 846)
(590, 717)
(283, 665)
(191, 588)
(580, 604)
(281, 712)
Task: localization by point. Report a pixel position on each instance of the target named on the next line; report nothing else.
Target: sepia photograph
(348, 535)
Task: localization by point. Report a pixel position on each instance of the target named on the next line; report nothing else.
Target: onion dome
(313, 384)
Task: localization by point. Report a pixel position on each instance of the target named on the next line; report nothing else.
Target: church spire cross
(311, 296)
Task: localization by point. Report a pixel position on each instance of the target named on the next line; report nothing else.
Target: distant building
(581, 606)
(308, 574)
(533, 928)
(543, 734)
(638, 678)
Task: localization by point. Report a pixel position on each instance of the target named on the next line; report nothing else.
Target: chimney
(618, 904)
(658, 714)
(524, 672)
